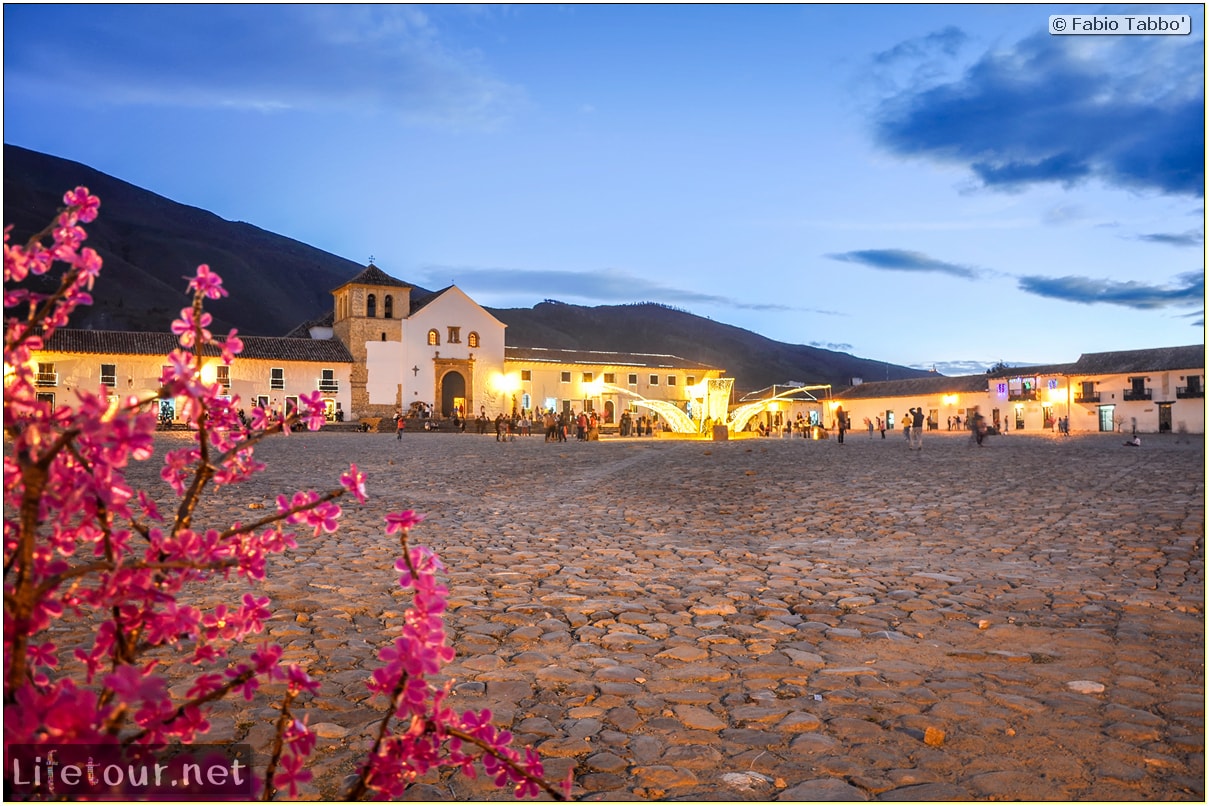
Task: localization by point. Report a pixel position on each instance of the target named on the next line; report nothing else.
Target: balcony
(1089, 397)
(1136, 394)
(1026, 394)
(329, 386)
(47, 379)
(1184, 392)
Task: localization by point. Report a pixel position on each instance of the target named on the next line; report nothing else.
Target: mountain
(149, 244)
(753, 360)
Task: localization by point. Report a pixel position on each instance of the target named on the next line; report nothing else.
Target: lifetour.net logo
(111, 772)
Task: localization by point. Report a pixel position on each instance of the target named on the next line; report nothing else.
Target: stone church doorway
(453, 394)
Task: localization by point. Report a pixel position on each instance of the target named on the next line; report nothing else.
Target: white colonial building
(1151, 391)
(544, 379)
(271, 372)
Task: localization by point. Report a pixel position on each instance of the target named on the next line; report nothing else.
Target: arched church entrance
(453, 394)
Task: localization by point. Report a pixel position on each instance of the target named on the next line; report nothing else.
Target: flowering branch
(69, 551)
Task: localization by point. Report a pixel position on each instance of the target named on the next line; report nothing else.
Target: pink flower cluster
(82, 546)
(431, 734)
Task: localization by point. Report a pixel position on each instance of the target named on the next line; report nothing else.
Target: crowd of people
(584, 426)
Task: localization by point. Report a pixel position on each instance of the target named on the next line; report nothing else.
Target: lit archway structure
(744, 412)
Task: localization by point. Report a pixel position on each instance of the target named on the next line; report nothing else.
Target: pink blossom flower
(231, 346)
(401, 521)
(291, 773)
(85, 204)
(354, 482)
(314, 408)
(206, 283)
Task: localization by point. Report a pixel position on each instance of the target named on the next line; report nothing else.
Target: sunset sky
(942, 185)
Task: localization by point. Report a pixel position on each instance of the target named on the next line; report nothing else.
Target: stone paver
(770, 619)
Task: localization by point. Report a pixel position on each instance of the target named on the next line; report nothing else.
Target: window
(222, 374)
(434, 338)
(109, 375)
(671, 380)
(633, 380)
(291, 406)
(586, 377)
(388, 306)
(691, 380)
(46, 375)
(47, 397)
(371, 306)
(327, 381)
(610, 378)
(276, 378)
(564, 377)
(653, 380)
(455, 336)
(473, 339)
(526, 374)
(262, 402)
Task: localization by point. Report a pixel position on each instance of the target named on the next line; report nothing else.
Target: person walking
(978, 427)
(400, 423)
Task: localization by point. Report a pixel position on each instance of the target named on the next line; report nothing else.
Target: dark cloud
(1053, 109)
(1193, 237)
(1189, 289)
(903, 260)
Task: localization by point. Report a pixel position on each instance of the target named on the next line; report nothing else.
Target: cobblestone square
(770, 619)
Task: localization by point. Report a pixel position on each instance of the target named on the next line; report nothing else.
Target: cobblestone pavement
(771, 619)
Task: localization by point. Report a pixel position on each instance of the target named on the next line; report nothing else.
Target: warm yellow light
(594, 387)
(773, 406)
(209, 373)
(505, 382)
(950, 400)
(835, 404)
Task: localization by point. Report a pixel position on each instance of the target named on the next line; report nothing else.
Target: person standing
(399, 424)
(881, 426)
(917, 429)
(841, 422)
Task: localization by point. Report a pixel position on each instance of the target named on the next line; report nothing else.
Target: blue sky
(942, 185)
